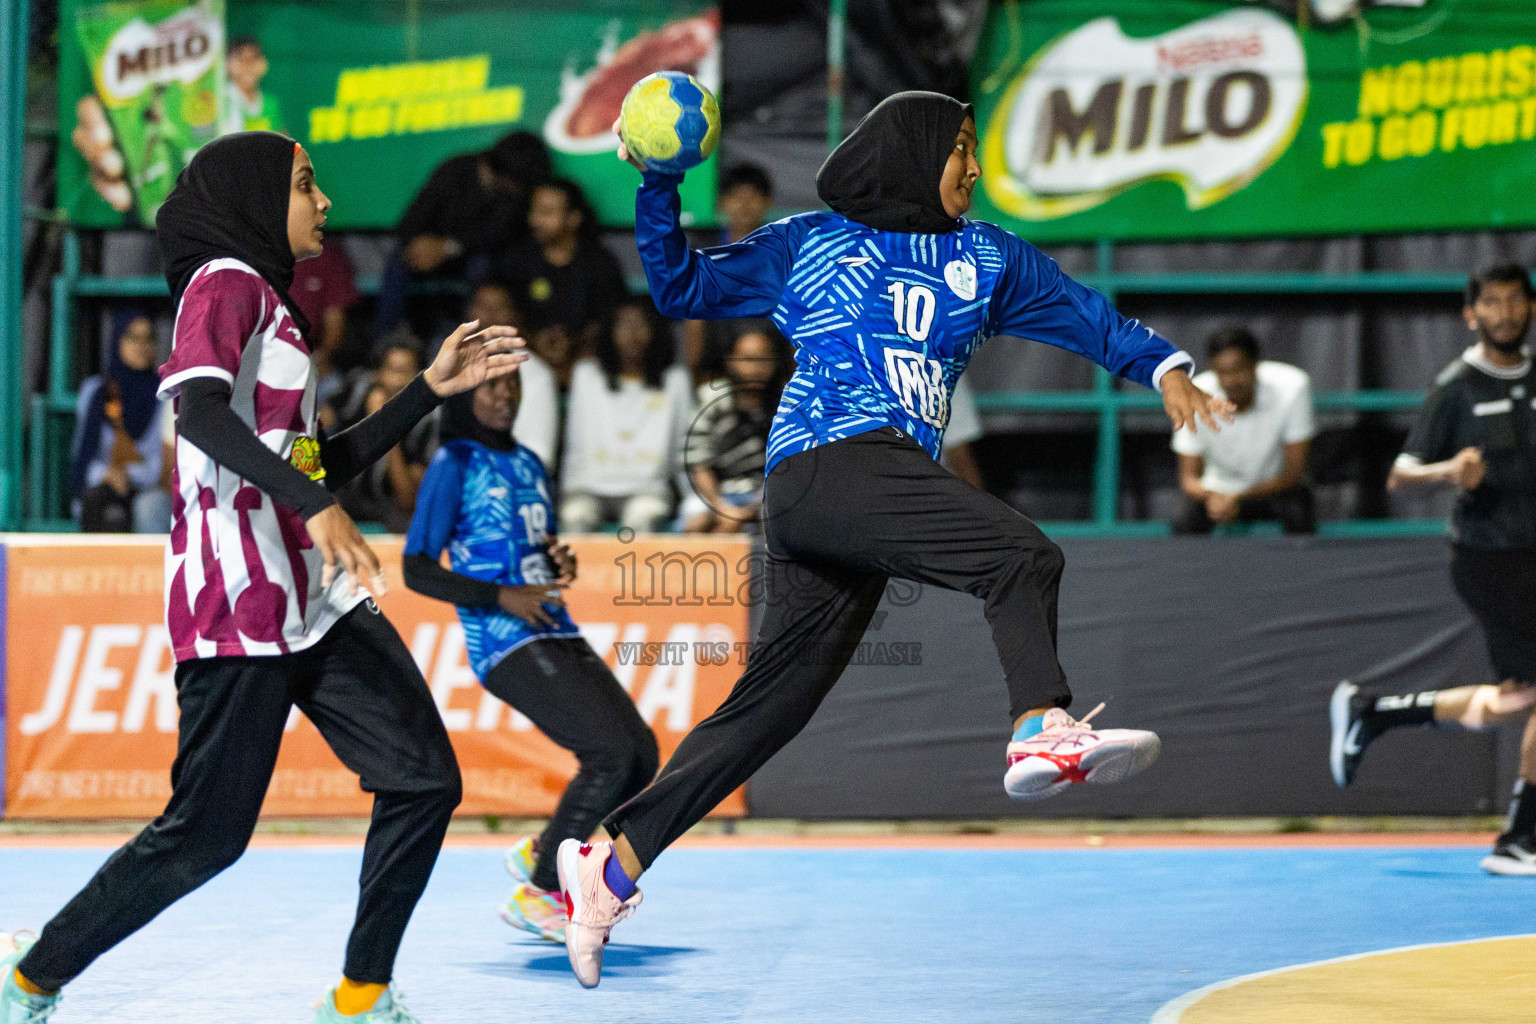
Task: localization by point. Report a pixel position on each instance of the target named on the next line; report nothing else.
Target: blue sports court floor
(1087, 936)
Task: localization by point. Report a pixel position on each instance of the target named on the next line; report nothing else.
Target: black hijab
(886, 174)
(232, 201)
(458, 419)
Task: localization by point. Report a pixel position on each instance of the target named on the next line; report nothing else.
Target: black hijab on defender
(886, 174)
(232, 201)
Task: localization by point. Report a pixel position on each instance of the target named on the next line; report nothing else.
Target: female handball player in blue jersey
(885, 298)
(486, 499)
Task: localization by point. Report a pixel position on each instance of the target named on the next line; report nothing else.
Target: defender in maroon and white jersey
(267, 587)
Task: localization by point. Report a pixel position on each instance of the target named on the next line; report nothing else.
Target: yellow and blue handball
(670, 122)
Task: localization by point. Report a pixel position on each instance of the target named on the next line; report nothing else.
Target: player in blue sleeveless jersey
(486, 500)
(886, 298)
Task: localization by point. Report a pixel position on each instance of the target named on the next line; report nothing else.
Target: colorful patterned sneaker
(1066, 751)
(1349, 735)
(1515, 858)
(16, 1006)
(388, 1010)
(590, 906)
(520, 859)
(534, 910)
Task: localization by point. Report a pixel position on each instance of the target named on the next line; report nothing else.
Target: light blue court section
(779, 936)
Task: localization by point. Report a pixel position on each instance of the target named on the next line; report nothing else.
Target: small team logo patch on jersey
(961, 278)
(304, 456)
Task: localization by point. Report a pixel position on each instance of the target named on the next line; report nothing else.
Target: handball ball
(669, 122)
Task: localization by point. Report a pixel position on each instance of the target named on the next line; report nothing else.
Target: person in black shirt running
(1477, 431)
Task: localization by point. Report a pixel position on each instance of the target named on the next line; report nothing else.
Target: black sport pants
(1499, 586)
(564, 688)
(840, 520)
(1294, 508)
(362, 690)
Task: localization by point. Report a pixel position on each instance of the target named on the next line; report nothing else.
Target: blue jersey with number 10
(883, 323)
(491, 510)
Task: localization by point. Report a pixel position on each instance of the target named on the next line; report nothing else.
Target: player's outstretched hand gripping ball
(669, 122)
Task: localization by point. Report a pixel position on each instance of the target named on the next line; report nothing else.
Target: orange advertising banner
(90, 694)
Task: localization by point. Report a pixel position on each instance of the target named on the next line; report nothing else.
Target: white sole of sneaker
(1338, 722)
(1036, 778)
(1508, 867)
(566, 859)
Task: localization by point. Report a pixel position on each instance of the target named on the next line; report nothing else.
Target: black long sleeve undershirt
(348, 454)
(427, 577)
(206, 421)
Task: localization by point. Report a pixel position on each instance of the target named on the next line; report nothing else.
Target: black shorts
(1499, 585)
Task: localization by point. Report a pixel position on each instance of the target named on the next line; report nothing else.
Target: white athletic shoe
(590, 906)
(1066, 751)
(1511, 859)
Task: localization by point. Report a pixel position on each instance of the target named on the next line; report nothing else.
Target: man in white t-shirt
(1256, 468)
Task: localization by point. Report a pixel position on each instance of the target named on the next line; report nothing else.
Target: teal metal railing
(13, 105)
(52, 413)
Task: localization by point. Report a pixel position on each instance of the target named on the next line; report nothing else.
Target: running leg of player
(370, 702)
(1358, 718)
(564, 688)
(1514, 852)
(894, 512)
(232, 716)
(813, 618)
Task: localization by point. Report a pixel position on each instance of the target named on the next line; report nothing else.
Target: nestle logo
(1209, 50)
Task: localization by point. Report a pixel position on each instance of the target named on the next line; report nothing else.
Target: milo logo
(180, 49)
(1209, 105)
(304, 456)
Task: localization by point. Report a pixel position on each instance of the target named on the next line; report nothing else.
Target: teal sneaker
(388, 1010)
(16, 1006)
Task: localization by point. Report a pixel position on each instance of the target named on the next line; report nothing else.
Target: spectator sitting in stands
(472, 209)
(386, 492)
(537, 426)
(392, 361)
(325, 289)
(116, 481)
(563, 278)
(728, 439)
(743, 198)
(1256, 468)
(963, 429)
(626, 421)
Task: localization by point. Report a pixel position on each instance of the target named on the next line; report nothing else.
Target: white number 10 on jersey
(914, 306)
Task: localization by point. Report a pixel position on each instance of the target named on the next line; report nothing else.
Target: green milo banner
(1145, 119)
(158, 70)
(379, 92)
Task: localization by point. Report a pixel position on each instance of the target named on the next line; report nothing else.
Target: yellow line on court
(1490, 981)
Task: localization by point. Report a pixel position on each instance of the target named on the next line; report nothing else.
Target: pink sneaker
(1067, 751)
(590, 906)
